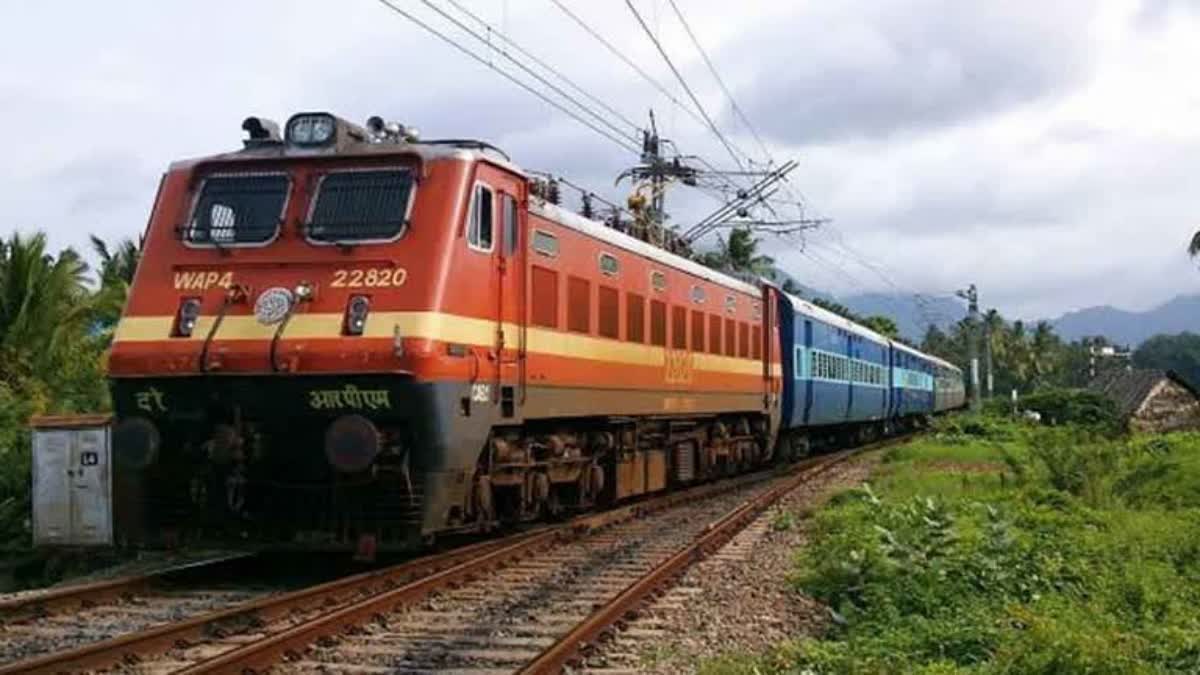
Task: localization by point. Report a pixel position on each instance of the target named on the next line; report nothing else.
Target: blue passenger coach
(842, 377)
(835, 371)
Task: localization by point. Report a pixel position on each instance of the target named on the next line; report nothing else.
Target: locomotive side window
(756, 342)
(479, 234)
(730, 337)
(360, 206)
(743, 339)
(658, 281)
(238, 209)
(545, 244)
(609, 265)
(512, 235)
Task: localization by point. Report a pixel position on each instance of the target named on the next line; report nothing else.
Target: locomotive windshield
(238, 209)
(361, 206)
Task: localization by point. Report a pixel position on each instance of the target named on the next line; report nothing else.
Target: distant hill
(912, 314)
(1132, 328)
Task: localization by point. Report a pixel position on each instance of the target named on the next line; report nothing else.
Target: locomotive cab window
(511, 231)
(238, 209)
(480, 230)
(360, 206)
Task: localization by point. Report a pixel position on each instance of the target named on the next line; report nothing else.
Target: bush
(1075, 406)
(1084, 560)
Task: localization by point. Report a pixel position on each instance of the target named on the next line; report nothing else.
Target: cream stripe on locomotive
(432, 326)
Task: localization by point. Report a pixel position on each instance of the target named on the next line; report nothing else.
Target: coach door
(510, 300)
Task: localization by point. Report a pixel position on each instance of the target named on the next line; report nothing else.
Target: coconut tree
(117, 267)
(44, 301)
(739, 253)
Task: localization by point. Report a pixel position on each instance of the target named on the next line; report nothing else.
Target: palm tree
(739, 253)
(44, 301)
(120, 263)
(1044, 350)
(117, 267)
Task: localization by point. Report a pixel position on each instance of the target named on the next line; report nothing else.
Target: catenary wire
(624, 144)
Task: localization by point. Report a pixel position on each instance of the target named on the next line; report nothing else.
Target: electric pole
(971, 295)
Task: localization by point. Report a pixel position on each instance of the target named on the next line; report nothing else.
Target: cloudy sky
(1047, 151)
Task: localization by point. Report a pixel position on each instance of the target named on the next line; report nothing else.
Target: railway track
(66, 617)
(531, 602)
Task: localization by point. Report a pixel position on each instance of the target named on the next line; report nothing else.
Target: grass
(992, 547)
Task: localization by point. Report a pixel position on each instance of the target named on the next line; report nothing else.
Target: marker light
(356, 314)
(311, 129)
(185, 319)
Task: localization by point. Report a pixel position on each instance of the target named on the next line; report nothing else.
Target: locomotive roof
(619, 239)
(454, 150)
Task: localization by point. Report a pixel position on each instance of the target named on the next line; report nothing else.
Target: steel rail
(86, 596)
(262, 654)
(572, 645)
(131, 647)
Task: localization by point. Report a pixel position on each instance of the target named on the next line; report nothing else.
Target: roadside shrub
(1074, 406)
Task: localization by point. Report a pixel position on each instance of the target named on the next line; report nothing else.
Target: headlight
(185, 319)
(310, 129)
(356, 314)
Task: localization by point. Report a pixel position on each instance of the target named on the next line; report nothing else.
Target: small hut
(1151, 400)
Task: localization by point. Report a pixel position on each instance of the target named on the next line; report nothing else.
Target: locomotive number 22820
(370, 278)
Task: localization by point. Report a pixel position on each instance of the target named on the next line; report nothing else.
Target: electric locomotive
(344, 335)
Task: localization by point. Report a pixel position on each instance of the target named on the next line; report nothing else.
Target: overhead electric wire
(628, 61)
(557, 73)
(555, 88)
(679, 76)
(512, 78)
(737, 109)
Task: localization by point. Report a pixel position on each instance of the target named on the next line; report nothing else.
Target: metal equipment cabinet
(72, 481)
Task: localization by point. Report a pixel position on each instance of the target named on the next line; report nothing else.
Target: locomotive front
(276, 373)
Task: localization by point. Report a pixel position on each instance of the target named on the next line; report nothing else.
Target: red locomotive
(344, 333)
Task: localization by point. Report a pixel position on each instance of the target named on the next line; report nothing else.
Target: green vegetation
(996, 547)
(1180, 353)
(55, 325)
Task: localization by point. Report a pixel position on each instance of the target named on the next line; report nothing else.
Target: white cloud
(1046, 151)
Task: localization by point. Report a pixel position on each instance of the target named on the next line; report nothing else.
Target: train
(343, 335)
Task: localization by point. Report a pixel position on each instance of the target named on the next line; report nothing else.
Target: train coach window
(658, 323)
(360, 206)
(479, 234)
(730, 337)
(743, 340)
(238, 209)
(756, 342)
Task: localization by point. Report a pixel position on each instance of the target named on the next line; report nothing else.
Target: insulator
(587, 211)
